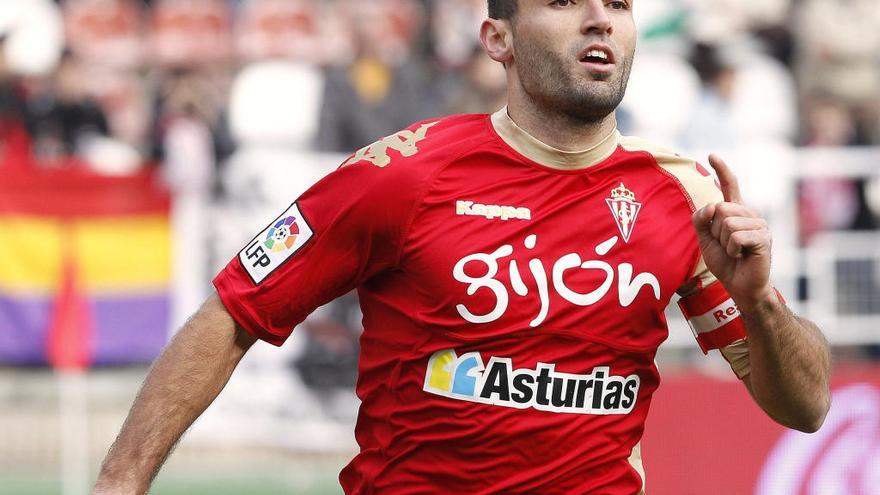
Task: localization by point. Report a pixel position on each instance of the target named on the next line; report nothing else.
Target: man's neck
(557, 129)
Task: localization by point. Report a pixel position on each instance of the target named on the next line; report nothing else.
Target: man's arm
(790, 360)
(184, 380)
(790, 366)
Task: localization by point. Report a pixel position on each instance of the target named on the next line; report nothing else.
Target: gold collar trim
(533, 149)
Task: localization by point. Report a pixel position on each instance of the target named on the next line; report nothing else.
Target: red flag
(69, 345)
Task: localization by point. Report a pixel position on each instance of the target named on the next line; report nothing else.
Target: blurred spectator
(453, 27)
(108, 36)
(481, 87)
(839, 57)
(840, 49)
(383, 90)
(828, 123)
(126, 98)
(185, 135)
(778, 42)
(831, 203)
(713, 21)
(192, 95)
(826, 204)
(14, 140)
(711, 125)
(62, 116)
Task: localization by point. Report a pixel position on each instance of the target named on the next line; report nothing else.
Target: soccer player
(513, 271)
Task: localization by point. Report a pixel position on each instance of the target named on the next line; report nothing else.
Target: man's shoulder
(407, 161)
(425, 145)
(450, 136)
(693, 178)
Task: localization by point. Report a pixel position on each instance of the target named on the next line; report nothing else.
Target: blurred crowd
(109, 82)
(223, 95)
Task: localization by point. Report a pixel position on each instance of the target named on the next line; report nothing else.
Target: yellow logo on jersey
(404, 142)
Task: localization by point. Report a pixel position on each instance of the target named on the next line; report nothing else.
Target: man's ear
(496, 37)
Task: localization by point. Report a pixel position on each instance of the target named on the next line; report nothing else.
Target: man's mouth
(597, 57)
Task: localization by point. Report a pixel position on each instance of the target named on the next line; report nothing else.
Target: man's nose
(596, 18)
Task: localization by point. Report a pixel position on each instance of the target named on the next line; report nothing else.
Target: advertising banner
(706, 436)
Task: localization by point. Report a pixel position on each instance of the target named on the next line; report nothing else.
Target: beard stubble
(547, 79)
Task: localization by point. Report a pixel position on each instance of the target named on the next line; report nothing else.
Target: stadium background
(142, 143)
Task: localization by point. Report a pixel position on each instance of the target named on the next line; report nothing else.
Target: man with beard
(513, 270)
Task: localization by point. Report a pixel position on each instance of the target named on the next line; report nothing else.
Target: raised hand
(735, 241)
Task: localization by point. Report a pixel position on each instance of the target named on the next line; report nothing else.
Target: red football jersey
(512, 307)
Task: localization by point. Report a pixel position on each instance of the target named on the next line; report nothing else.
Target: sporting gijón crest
(624, 209)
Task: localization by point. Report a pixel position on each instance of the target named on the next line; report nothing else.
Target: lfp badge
(282, 235)
(275, 245)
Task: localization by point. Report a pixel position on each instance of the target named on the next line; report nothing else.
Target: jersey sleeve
(705, 303)
(709, 309)
(342, 231)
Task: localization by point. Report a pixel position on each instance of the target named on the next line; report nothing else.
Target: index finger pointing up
(729, 184)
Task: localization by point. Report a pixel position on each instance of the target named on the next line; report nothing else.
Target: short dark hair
(502, 9)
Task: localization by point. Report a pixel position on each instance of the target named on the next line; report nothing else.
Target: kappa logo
(275, 245)
(404, 142)
(471, 209)
(625, 210)
(543, 388)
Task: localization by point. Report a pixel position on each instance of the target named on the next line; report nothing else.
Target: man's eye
(562, 3)
(618, 5)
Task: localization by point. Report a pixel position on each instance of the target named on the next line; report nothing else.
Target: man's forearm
(790, 365)
(183, 381)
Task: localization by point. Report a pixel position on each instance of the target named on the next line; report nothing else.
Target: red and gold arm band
(713, 317)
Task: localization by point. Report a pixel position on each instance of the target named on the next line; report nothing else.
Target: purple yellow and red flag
(85, 268)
